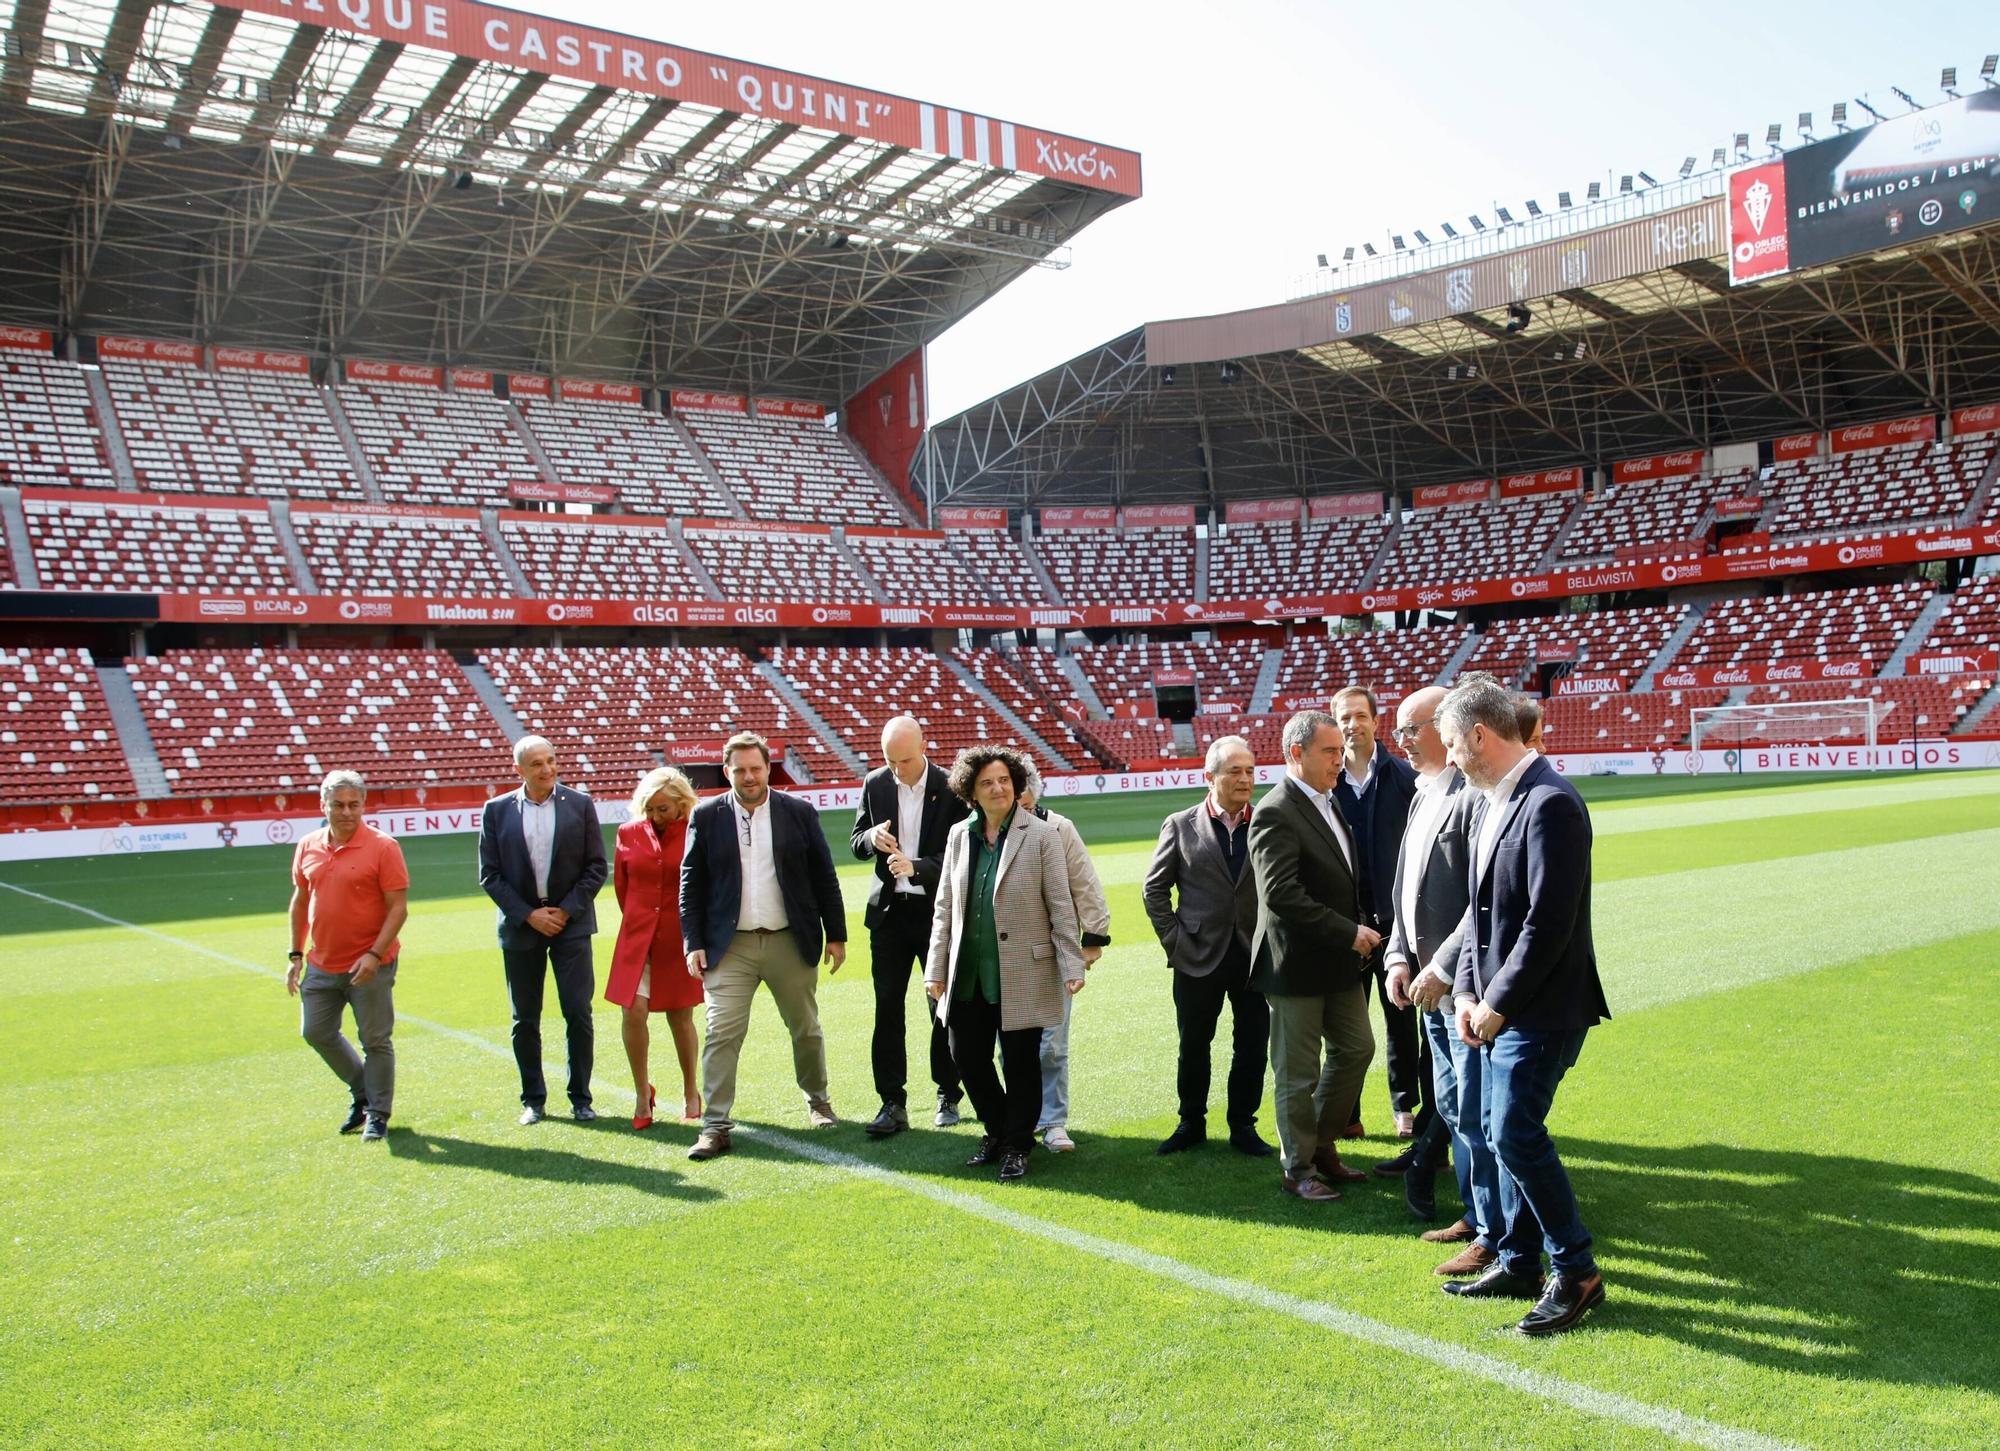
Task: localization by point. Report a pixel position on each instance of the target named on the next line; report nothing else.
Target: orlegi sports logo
(1523, 589)
(1861, 553)
(365, 610)
(836, 615)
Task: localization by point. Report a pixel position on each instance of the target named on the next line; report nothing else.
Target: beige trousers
(730, 987)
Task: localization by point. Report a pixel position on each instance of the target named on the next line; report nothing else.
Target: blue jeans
(1055, 1072)
(1537, 1207)
(1472, 1161)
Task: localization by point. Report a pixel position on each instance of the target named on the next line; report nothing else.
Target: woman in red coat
(648, 970)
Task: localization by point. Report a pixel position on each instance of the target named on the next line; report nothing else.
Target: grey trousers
(322, 996)
(1316, 1098)
(730, 986)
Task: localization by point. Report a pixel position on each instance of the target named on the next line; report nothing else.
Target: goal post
(1785, 723)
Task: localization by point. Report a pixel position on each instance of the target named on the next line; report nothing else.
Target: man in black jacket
(906, 809)
(759, 899)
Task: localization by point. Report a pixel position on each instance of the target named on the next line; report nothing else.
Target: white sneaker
(1057, 1140)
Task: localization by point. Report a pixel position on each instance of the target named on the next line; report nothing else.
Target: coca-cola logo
(1785, 672)
(31, 337)
(1732, 677)
(1845, 670)
(1679, 678)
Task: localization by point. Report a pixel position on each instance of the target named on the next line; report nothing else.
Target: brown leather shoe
(1455, 1234)
(1310, 1188)
(821, 1113)
(1474, 1259)
(1326, 1163)
(712, 1144)
(1354, 1131)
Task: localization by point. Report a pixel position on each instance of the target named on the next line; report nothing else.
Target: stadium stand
(1656, 720)
(1641, 522)
(57, 742)
(1391, 662)
(856, 691)
(1888, 491)
(117, 544)
(1607, 642)
(1474, 541)
(1857, 624)
(1225, 672)
(760, 564)
(254, 720)
(361, 550)
(1912, 705)
(1972, 621)
(175, 427)
(624, 705)
(565, 558)
(427, 446)
(1123, 742)
(48, 429)
(625, 446)
(1119, 566)
(290, 447)
(1315, 556)
(8, 578)
(917, 569)
(791, 469)
(1264, 733)
(1000, 674)
(997, 560)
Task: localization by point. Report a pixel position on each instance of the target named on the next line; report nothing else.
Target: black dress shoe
(1244, 1140)
(531, 1114)
(356, 1117)
(1420, 1194)
(583, 1113)
(377, 1130)
(1013, 1165)
(989, 1152)
(893, 1119)
(1498, 1283)
(1397, 1167)
(1563, 1304)
(1184, 1136)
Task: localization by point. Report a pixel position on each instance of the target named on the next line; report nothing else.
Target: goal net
(1784, 723)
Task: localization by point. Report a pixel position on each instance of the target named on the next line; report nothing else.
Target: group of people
(1451, 882)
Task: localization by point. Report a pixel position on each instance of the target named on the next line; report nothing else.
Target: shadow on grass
(558, 1166)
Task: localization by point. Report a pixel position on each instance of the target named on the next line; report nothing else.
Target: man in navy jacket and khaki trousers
(1526, 993)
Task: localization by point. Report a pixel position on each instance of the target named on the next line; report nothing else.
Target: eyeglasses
(1409, 732)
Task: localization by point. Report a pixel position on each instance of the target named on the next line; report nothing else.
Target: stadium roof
(1634, 342)
(445, 181)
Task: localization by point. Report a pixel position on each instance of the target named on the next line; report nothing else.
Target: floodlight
(1477, 225)
(1596, 191)
(1396, 240)
(1229, 372)
(1987, 68)
(1840, 114)
(1347, 254)
(1422, 240)
(1534, 207)
(1369, 248)
(1506, 217)
(1863, 104)
(1562, 200)
(1624, 185)
(1906, 98)
(1322, 260)
(1648, 178)
(1582, 348)
(1948, 81)
(1450, 230)
(1742, 143)
(1168, 375)
(1687, 168)
(1720, 158)
(1772, 132)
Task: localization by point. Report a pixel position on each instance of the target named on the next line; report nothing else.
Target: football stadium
(1400, 863)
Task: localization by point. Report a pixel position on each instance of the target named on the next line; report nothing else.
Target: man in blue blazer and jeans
(1526, 993)
(541, 860)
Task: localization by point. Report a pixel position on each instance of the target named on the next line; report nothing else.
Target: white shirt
(910, 826)
(1360, 783)
(538, 830)
(1324, 803)
(1496, 809)
(762, 905)
(1433, 804)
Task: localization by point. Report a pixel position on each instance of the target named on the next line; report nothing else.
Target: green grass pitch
(1785, 1143)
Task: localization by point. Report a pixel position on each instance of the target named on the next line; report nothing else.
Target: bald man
(906, 809)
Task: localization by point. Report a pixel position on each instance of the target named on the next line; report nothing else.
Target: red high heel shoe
(652, 1098)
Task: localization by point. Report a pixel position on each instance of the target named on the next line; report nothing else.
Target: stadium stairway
(1040, 570)
(490, 694)
(1448, 672)
(1382, 556)
(1201, 565)
(540, 455)
(1184, 741)
(715, 479)
(1683, 631)
(1975, 507)
(789, 693)
(1267, 681)
(142, 758)
(973, 683)
(357, 456)
(867, 466)
(692, 560)
(1974, 721)
(855, 562)
(1552, 557)
(489, 525)
(22, 552)
(281, 525)
(1920, 630)
(1086, 693)
(113, 435)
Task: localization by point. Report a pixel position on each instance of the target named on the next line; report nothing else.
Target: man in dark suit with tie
(1204, 853)
(541, 860)
(1525, 994)
(759, 902)
(1308, 957)
(906, 809)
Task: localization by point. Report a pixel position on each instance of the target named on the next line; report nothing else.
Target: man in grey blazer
(541, 860)
(1422, 958)
(1204, 852)
(1308, 957)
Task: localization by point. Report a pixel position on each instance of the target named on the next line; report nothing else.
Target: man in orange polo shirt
(350, 896)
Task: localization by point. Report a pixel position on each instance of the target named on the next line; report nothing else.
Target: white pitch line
(1609, 1405)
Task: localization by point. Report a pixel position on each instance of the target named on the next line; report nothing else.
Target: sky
(1271, 132)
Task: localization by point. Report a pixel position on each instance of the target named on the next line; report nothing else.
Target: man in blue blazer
(541, 860)
(1526, 993)
(759, 904)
